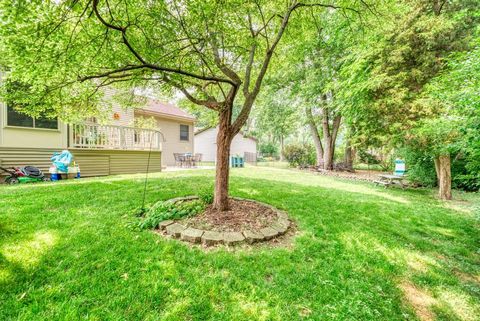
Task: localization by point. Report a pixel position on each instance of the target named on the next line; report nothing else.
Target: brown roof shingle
(160, 107)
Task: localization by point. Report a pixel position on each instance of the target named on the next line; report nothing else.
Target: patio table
(186, 159)
(387, 180)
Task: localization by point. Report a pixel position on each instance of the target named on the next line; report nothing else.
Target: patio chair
(399, 168)
(187, 159)
(178, 159)
(196, 159)
(396, 178)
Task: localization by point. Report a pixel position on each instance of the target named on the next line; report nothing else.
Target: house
(107, 148)
(206, 144)
(176, 126)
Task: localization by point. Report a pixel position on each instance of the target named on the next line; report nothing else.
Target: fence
(250, 158)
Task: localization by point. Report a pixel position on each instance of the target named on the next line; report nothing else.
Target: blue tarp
(62, 160)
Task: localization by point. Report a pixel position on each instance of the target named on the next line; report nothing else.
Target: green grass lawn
(361, 253)
(277, 164)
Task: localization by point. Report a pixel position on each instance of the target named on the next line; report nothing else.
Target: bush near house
(299, 155)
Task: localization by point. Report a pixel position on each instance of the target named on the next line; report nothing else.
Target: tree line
(399, 82)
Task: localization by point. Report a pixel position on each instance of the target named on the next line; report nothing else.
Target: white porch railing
(96, 136)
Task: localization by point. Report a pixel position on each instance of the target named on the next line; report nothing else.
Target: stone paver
(279, 227)
(175, 230)
(191, 234)
(269, 233)
(284, 222)
(182, 198)
(212, 238)
(282, 215)
(232, 238)
(252, 237)
(163, 225)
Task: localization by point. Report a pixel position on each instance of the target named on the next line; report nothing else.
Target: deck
(95, 136)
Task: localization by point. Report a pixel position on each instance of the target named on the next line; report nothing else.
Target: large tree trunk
(282, 148)
(328, 153)
(445, 177)
(437, 169)
(224, 139)
(348, 155)
(329, 138)
(315, 135)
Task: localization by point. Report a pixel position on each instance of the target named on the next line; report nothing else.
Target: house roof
(199, 131)
(241, 133)
(166, 109)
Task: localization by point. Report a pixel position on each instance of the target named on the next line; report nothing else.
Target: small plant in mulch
(163, 211)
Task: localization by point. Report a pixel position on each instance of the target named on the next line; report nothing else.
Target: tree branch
(123, 30)
(209, 103)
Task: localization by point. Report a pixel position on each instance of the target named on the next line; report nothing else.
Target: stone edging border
(209, 238)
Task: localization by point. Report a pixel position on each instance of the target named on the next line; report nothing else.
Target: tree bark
(437, 169)
(315, 135)
(329, 138)
(445, 177)
(282, 148)
(328, 154)
(348, 155)
(333, 138)
(438, 5)
(224, 140)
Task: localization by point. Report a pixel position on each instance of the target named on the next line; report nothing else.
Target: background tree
(216, 53)
(438, 138)
(313, 77)
(385, 83)
(276, 116)
(382, 82)
(457, 91)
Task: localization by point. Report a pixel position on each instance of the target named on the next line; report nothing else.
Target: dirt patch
(466, 277)
(243, 215)
(420, 300)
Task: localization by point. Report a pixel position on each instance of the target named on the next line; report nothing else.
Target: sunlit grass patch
(28, 253)
(459, 303)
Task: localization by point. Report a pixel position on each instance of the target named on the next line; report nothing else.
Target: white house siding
(172, 144)
(115, 114)
(125, 116)
(170, 128)
(205, 143)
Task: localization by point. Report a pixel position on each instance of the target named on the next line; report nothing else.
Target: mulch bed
(241, 216)
(358, 175)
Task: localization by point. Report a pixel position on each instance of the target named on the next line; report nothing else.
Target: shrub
(420, 166)
(299, 155)
(421, 170)
(464, 176)
(367, 157)
(206, 195)
(268, 149)
(168, 211)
